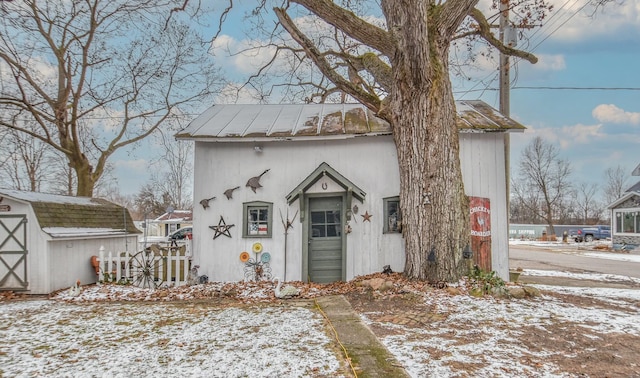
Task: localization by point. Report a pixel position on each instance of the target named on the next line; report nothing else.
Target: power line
(555, 88)
(582, 88)
(555, 17)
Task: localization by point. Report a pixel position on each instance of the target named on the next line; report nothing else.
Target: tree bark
(422, 113)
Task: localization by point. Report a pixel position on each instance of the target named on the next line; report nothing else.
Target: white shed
(310, 192)
(46, 240)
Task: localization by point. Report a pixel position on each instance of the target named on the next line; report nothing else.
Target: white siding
(483, 171)
(69, 260)
(368, 162)
(56, 264)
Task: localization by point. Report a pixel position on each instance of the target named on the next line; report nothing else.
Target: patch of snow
(580, 276)
(613, 256)
(121, 331)
(81, 231)
(53, 338)
(50, 198)
(480, 335)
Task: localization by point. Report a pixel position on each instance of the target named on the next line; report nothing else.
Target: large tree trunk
(422, 111)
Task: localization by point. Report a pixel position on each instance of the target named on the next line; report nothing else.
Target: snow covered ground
(482, 337)
(102, 339)
(122, 331)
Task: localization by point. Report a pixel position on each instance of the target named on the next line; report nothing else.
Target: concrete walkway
(368, 356)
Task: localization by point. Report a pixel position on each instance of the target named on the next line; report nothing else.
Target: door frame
(19, 234)
(306, 226)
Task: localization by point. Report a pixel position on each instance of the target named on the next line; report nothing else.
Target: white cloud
(578, 21)
(612, 114)
(583, 134)
(233, 53)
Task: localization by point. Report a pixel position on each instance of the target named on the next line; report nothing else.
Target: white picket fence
(169, 266)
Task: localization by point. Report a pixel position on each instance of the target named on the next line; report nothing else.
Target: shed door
(13, 252)
(325, 239)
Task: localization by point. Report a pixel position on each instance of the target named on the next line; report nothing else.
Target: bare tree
(615, 183)
(543, 180)
(151, 203)
(586, 203)
(174, 172)
(397, 65)
(96, 76)
(27, 161)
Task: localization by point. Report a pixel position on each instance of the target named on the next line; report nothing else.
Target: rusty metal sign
(480, 208)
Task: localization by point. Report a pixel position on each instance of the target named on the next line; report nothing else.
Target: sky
(583, 95)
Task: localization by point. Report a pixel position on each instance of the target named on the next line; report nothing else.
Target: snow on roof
(46, 197)
(68, 232)
(175, 216)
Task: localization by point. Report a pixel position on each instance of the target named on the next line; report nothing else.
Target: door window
(325, 223)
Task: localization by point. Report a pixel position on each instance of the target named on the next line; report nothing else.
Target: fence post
(169, 271)
(127, 265)
(100, 263)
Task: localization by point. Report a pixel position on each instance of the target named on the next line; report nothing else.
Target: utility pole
(505, 38)
(504, 100)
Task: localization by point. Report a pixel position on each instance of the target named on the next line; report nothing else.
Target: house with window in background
(311, 192)
(625, 217)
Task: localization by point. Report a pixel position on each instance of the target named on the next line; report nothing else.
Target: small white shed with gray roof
(47, 240)
(311, 192)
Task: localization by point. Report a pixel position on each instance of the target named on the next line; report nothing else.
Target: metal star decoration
(221, 229)
(366, 217)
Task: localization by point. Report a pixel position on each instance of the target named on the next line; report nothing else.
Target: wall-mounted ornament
(221, 229)
(366, 217)
(229, 192)
(254, 182)
(355, 209)
(205, 202)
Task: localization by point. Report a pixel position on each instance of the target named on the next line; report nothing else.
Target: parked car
(589, 234)
(181, 234)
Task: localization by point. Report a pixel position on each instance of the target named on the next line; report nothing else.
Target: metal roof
(312, 121)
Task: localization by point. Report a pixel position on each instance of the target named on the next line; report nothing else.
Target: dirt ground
(564, 343)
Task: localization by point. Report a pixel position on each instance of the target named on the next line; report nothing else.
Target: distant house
(46, 240)
(311, 192)
(171, 221)
(625, 218)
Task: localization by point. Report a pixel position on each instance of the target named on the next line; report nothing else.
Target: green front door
(325, 239)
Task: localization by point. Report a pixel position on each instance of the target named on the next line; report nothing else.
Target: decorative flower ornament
(244, 256)
(257, 247)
